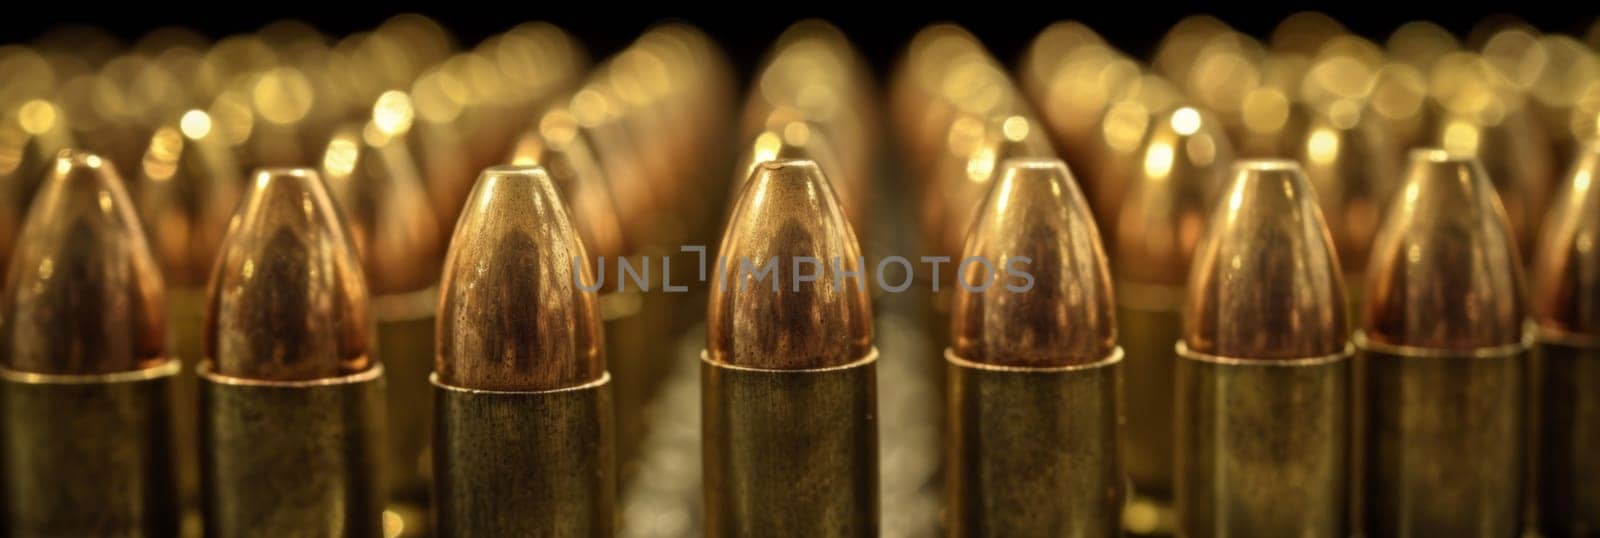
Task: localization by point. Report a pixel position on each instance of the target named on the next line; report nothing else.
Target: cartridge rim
(604, 379)
(206, 370)
(1184, 352)
(869, 358)
(1112, 358)
(169, 367)
(1530, 336)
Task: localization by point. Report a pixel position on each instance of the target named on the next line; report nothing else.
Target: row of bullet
(1251, 407)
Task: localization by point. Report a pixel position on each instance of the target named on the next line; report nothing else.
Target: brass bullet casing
(373, 178)
(1184, 162)
(1263, 370)
(1445, 348)
(1567, 384)
(85, 384)
(789, 375)
(1034, 401)
(523, 440)
(291, 398)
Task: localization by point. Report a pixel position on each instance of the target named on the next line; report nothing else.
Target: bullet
(1445, 350)
(1349, 164)
(1184, 161)
(374, 180)
(789, 375)
(291, 394)
(85, 381)
(1263, 372)
(1567, 386)
(522, 400)
(1033, 445)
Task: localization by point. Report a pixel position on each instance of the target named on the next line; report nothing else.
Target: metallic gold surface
(1265, 281)
(1567, 479)
(1263, 379)
(291, 399)
(1445, 273)
(533, 463)
(1183, 164)
(85, 383)
(88, 455)
(490, 336)
(1445, 352)
(1035, 212)
(790, 452)
(82, 265)
(1034, 413)
(789, 377)
(1034, 450)
(787, 209)
(288, 300)
(524, 439)
(292, 458)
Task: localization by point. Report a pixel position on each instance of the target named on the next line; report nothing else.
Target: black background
(745, 29)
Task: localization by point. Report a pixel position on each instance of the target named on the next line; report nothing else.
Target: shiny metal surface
(288, 300)
(83, 294)
(189, 183)
(512, 315)
(1566, 301)
(1445, 273)
(1034, 211)
(567, 154)
(1186, 160)
(375, 181)
(1265, 282)
(788, 209)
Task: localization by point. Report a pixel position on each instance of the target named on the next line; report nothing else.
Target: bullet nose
(83, 294)
(374, 179)
(288, 300)
(512, 315)
(1445, 273)
(1035, 211)
(1265, 282)
(1567, 265)
(787, 210)
(1183, 164)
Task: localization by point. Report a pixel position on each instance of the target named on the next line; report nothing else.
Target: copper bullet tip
(374, 178)
(1067, 317)
(1183, 164)
(1444, 273)
(83, 294)
(1265, 282)
(787, 214)
(288, 301)
(512, 315)
(1567, 264)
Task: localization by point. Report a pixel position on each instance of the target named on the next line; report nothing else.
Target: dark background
(746, 28)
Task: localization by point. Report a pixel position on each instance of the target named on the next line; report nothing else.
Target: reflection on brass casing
(1034, 451)
(88, 455)
(790, 452)
(1149, 321)
(292, 458)
(1444, 440)
(1261, 445)
(1568, 391)
(535, 463)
